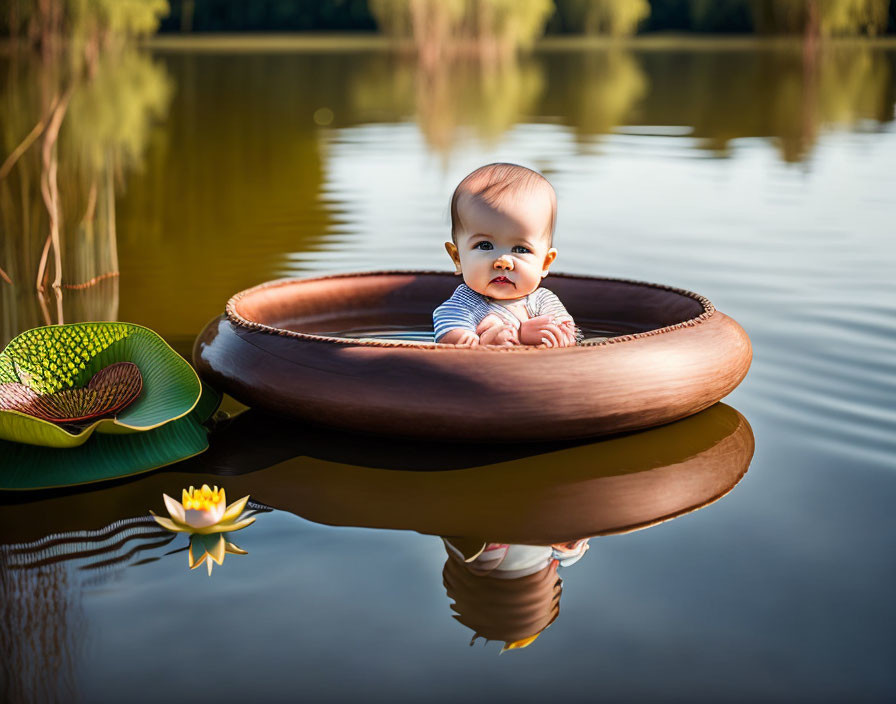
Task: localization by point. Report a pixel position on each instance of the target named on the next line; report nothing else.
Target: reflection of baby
(506, 592)
(502, 226)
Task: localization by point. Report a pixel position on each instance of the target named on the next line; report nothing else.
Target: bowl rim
(235, 317)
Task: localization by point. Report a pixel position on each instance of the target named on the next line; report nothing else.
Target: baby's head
(502, 228)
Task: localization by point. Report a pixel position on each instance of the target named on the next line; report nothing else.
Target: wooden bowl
(274, 349)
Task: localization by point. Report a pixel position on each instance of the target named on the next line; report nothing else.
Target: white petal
(175, 508)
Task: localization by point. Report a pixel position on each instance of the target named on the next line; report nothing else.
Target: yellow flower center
(203, 499)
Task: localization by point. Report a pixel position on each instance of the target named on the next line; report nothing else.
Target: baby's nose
(504, 262)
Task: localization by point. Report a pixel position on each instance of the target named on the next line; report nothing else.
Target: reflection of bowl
(272, 350)
(536, 494)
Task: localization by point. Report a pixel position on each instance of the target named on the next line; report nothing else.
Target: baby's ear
(451, 248)
(548, 260)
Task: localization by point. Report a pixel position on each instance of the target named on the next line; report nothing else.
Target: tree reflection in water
(41, 633)
(780, 92)
(449, 101)
(58, 191)
(466, 98)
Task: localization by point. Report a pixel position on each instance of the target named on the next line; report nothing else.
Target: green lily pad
(57, 357)
(28, 467)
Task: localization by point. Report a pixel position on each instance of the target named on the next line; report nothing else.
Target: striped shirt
(466, 309)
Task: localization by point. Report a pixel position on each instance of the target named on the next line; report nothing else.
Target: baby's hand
(493, 331)
(489, 321)
(503, 335)
(459, 336)
(544, 331)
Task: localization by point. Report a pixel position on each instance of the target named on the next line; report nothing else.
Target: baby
(502, 227)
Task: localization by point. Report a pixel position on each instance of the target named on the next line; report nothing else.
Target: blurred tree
(80, 23)
(491, 29)
(613, 17)
(821, 17)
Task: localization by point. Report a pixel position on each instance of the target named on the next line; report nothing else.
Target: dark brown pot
(271, 350)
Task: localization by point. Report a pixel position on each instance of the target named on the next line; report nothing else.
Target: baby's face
(503, 252)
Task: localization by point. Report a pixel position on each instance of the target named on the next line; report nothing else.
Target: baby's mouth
(502, 280)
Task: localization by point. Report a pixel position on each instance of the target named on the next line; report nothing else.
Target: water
(419, 333)
(748, 176)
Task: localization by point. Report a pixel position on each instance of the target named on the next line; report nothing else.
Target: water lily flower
(203, 511)
(210, 548)
(204, 514)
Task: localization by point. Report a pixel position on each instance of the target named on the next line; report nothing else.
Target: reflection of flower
(210, 548)
(202, 513)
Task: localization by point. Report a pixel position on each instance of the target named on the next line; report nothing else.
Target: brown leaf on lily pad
(109, 390)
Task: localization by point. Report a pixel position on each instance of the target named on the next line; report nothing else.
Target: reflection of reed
(81, 132)
(41, 624)
(41, 631)
(27, 308)
(116, 543)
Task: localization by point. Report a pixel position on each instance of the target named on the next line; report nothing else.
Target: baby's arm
(459, 336)
(454, 322)
(552, 325)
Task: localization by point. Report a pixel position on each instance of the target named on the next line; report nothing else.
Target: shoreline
(659, 41)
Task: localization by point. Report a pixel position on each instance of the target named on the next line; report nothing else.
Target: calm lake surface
(753, 176)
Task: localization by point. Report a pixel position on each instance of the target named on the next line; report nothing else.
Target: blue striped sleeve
(547, 303)
(465, 310)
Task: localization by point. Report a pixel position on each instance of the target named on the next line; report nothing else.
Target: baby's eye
(520, 249)
(484, 245)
